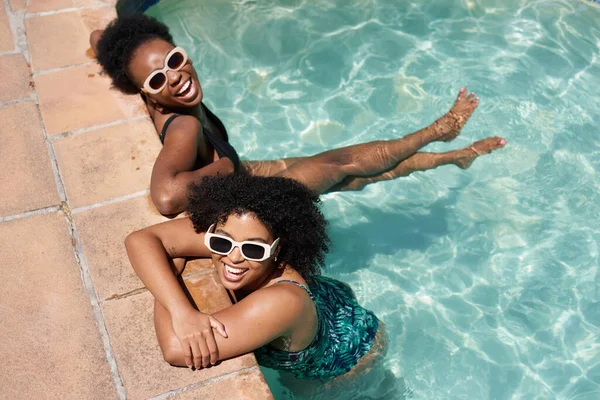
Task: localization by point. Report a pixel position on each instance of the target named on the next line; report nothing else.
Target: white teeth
(235, 271)
(184, 87)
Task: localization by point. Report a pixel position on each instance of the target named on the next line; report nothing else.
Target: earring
(275, 259)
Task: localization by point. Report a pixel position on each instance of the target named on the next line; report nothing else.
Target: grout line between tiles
(141, 290)
(17, 22)
(17, 29)
(110, 201)
(64, 10)
(96, 127)
(197, 274)
(9, 102)
(88, 285)
(133, 292)
(9, 53)
(82, 262)
(207, 382)
(31, 213)
(52, 70)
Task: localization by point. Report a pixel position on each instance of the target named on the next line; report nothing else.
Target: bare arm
(173, 170)
(258, 319)
(149, 251)
(262, 317)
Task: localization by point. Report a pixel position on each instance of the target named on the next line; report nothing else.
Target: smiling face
(235, 272)
(183, 87)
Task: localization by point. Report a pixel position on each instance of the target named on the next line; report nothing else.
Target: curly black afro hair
(120, 40)
(286, 207)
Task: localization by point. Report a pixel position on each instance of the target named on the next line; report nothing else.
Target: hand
(195, 333)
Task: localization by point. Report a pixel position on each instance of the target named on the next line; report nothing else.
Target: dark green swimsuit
(345, 333)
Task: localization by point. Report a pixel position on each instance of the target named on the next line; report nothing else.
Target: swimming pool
(488, 278)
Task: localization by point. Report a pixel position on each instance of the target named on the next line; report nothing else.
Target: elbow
(131, 241)
(174, 356)
(168, 203)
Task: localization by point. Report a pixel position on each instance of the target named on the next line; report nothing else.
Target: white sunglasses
(157, 80)
(253, 251)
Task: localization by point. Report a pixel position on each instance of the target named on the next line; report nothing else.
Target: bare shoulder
(183, 124)
(261, 317)
(288, 301)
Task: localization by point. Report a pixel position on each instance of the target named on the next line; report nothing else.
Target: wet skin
(186, 156)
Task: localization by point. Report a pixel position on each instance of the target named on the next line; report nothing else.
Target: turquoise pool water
(488, 279)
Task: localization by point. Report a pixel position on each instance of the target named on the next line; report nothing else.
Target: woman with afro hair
(267, 240)
(138, 53)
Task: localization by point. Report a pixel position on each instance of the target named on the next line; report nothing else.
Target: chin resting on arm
(147, 250)
(258, 319)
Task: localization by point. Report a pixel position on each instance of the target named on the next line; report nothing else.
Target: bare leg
(269, 167)
(422, 161)
(325, 170)
(378, 153)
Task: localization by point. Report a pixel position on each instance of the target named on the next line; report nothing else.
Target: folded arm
(255, 321)
(258, 319)
(150, 251)
(174, 171)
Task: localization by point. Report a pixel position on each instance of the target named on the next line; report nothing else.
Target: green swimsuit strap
(297, 284)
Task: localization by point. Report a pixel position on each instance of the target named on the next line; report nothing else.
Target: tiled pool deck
(75, 163)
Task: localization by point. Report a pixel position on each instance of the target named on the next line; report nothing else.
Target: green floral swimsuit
(345, 333)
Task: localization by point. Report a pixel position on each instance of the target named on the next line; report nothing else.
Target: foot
(466, 156)
(448, 127)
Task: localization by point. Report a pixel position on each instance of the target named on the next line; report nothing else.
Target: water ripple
(488, 279)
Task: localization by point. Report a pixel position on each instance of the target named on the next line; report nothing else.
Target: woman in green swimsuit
(266, 237)
(139, 55)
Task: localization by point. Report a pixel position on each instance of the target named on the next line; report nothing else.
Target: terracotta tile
(51, 347)
(97, 18)
(89, 101)
(144, 373)
(6, 39)
(131, 105)
(208, 293)
(248, 385)
(57, 40)
(16, 78)
(106, 163)
(18, 5)
(102, 231)
(26, 181)
(51, 5)
(194, 267)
